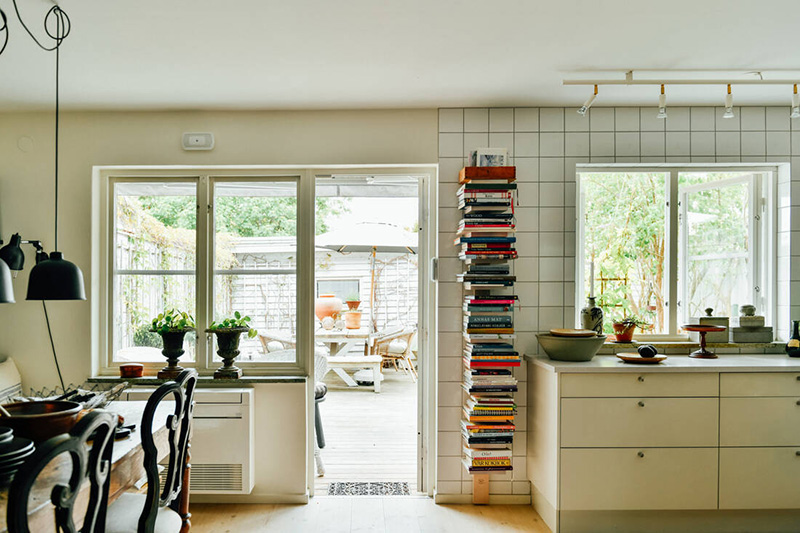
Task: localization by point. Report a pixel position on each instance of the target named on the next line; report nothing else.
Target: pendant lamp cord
(58, 51)
(53, 346)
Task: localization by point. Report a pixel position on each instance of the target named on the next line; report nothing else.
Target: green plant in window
(172, 320)
(237, 321)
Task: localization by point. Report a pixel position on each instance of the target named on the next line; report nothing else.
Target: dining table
(127, 468)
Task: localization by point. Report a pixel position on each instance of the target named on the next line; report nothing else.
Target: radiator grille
(213, 477)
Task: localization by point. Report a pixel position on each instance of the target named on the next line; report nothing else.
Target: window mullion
(672, 250)
(204, 256)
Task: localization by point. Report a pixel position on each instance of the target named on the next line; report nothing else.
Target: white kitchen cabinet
(638, 479)
(641, 421)
(759, 478)
(713, 448)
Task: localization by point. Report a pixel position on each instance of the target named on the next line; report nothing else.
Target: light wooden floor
(336, 514)
(369, 437)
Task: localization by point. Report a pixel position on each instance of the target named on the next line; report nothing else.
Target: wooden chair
(394, 347)
(92, 463)
(161, 509)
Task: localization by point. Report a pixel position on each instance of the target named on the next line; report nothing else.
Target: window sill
(682, 347)
(203, 380)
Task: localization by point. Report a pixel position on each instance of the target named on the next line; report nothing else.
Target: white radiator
(222, 440)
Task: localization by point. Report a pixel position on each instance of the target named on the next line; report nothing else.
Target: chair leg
(318, 426)
(320, 466)
(410, 364)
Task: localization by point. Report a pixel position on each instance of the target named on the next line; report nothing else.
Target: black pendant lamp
(56, 278)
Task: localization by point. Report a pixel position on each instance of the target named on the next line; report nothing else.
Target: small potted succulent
(172, 325)
(228, 333)
(623, 329)
(353, 301)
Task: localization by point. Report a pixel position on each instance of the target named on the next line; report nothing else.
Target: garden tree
(255, 216)
(625, 229)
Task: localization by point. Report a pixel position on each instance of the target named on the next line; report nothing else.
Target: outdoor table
(340, 342)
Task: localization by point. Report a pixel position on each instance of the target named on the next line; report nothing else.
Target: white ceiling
(306, 54)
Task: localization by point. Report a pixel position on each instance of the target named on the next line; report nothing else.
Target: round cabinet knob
(641, 379)
(797, 402)
(640, 404)
(797, 453)
(641, 454)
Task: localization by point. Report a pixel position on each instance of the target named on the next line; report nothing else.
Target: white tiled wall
(545, 144)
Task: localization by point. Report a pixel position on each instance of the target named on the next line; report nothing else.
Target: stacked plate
(13, 453)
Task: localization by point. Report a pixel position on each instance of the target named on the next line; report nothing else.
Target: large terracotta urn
(327, 305)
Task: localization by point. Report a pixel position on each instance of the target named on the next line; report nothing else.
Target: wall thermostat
(198, 141)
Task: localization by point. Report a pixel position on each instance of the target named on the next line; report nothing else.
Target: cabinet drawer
(759, 422)
(635, 384)
(658, 422)
(631, 479)
(760, 384)
(759, 478)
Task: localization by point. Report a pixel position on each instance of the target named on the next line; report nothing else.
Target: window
(666, 243)
(210, 246)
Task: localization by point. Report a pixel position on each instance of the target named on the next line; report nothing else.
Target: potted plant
(353, 301)
(352, 319)
(172, 325)
(228, 333)
(623, 329)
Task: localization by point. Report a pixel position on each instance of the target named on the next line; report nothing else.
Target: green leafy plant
(236, 321)
(631, 321)
(144, 336)
(172, 320)
(354, 297)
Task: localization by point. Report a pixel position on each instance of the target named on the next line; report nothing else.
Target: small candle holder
(703, 329)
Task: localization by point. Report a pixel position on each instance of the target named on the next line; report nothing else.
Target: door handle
(435, 270)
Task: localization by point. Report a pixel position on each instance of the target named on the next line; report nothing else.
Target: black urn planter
(173, 350)
(228, 350)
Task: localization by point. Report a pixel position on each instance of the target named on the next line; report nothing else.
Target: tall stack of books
(486, 244)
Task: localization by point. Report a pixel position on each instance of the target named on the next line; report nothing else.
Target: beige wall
(154, 138)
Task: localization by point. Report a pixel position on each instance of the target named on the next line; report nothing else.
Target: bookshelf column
(486, 244)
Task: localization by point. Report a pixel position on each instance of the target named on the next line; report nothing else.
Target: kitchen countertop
(677, 363)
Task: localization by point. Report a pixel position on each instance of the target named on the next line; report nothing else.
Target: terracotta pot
(352, 320)
(624, 332)
(327, 305)
(352, 305)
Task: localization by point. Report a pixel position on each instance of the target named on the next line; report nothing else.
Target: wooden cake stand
(702, 353)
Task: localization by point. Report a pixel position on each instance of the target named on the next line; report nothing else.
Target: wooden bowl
(131, 370)
(39, 421)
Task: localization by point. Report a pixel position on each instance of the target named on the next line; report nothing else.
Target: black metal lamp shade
(12, 254)
(56, 279)
(6, 288)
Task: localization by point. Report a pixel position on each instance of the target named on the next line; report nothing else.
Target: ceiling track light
(662, 104)
(795, 104)
(588, 103)
(728, 104)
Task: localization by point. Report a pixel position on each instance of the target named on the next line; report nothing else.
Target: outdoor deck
(370, 437)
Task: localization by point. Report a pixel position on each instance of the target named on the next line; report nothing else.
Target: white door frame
(428, 176)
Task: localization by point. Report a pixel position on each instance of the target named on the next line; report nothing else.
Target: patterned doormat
(380, 488)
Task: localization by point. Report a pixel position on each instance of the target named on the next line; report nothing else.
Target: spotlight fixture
(795, 104)
(662, 104)
(586, 105)
(728, 104)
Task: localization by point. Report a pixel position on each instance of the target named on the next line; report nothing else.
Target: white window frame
(763, 225)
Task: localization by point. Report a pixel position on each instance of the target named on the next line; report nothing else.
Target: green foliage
(172, 320)
(235, 321)
(631, 321)
(354, 297)
(625, 233)
(242, 216)
(143, 336)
